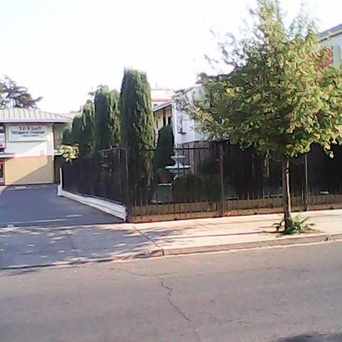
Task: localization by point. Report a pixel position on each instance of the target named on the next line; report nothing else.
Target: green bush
(211, 189)
(209, 166)
(191, 188)
(298, 225)
(187, 188)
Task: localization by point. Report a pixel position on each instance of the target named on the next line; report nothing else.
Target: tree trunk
(286, 193)
(222, 209)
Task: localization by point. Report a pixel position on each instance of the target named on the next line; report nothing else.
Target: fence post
(221, 179)
(60, 185)
(127, 190)
(306, 186)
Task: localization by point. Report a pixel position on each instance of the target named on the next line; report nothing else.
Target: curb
(111, 208)
(160, 252)
(295, 240)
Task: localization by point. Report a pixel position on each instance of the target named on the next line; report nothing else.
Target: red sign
(330, 58)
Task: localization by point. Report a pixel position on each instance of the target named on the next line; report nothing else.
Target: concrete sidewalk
(239, 232)
(37, 246)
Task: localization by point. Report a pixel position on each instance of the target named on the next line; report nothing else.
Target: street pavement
(289, 294)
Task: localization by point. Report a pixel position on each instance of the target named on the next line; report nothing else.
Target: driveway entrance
(39, 206)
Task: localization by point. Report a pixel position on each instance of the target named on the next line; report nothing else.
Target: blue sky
(62, 49)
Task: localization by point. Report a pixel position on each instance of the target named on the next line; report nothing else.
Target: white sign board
(27, 133)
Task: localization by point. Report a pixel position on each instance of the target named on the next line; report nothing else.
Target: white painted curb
(110, 208)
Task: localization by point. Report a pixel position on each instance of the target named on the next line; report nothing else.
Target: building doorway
(2, 172)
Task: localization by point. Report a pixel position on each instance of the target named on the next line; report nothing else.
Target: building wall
(32, 161)
(185, 129)
(29, 170)
(335, 43)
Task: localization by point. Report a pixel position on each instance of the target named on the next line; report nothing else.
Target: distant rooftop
(160, 96)
(19, 115)
(161, 106)
(334, 31)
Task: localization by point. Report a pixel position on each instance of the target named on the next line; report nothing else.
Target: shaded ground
(26, 246)
(282, 295)
(39, 206)
(38, 228)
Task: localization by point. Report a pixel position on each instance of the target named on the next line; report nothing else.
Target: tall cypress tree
(82, 131)
(67, 137)
(165, 147)
(76, 129)
(137, 126)
(107, 118)
(87, 136)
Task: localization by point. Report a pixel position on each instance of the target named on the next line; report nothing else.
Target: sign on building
(27, 133)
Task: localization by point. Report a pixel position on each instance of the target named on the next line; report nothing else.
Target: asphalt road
(291, 294)
(40, 206)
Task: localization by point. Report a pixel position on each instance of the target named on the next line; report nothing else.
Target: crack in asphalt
(169, 290)
(178, 309)
(169, 294)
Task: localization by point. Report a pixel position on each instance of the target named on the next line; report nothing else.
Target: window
(337, 55)
(180, 129)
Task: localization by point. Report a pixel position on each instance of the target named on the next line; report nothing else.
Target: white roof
(334, 31)
(161, 106)
(161, 96)
(20, 115)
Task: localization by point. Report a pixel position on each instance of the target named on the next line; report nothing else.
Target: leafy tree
(15, 96)
(137, 126)
(281, 95)
(107, 118)
(165, 147)
(69, 153)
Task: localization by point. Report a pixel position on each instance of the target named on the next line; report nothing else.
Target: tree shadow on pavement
(38, 247)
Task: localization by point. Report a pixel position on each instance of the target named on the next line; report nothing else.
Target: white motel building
(28, 142)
